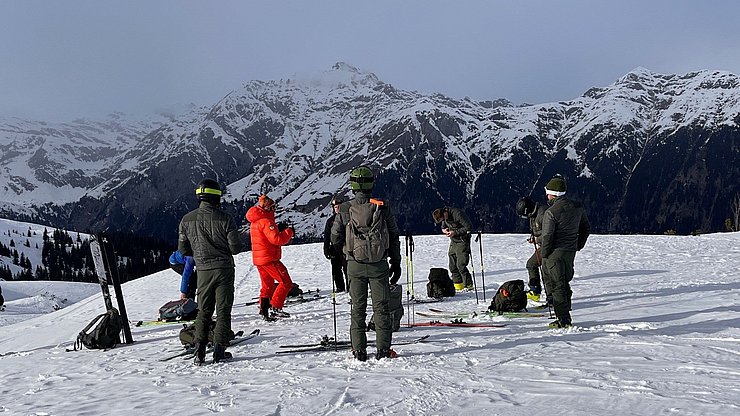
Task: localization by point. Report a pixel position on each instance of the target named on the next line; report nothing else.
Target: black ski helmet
(525, 207)
(361, 179)
(208, 190)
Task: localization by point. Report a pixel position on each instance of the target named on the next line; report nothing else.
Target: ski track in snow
(656, 332)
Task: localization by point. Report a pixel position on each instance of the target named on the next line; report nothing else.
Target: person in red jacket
(267, 238)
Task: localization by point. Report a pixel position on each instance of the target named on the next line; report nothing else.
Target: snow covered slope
(656, 333)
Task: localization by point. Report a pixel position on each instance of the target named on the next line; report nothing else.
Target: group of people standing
(362, 242)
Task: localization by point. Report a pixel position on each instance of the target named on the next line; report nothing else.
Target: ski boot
(385, 353)
(360, 355)
(200, 353)
(557, 324)
(220, 353)
(265, 310)
(278, 313)
(531, 295)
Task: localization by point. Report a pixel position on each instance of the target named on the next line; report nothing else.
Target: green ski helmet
(361, 179)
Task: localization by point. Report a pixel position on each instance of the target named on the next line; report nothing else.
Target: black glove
(395, 272)
(282, 226)
(328, 255)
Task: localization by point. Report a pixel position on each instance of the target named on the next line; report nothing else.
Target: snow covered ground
(656, 333)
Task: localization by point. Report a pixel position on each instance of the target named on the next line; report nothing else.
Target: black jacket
(329, 248)
(565, 226)
(535, 221)
(210, 236)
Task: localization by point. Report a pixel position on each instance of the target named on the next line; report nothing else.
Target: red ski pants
(269, 273)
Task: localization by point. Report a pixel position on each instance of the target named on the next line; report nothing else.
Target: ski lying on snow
(238, 340)
(449, 314)
(345, 345)
(460, 323)
(422, 301)
(158, 322)
(324, 342)
(289, 301)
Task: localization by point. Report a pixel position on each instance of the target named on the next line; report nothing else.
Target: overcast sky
(65, 59)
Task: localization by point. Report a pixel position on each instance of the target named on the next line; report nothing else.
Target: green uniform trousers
(215, 293)
(374, 275)
(558, 274)
(459, 257)
(533, 268)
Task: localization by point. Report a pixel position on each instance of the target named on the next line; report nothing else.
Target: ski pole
(334, 307)
(413, 299)
(472, 266)
(482, 274)
(408, 294)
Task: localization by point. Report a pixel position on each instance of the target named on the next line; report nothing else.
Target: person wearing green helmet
(366, 230)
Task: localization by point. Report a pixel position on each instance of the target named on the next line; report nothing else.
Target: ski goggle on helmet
(208, 189)
(361, 179)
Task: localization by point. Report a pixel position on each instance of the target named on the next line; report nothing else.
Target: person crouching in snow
(267, 238)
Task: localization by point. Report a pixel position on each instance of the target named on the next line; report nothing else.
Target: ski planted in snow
(236, 341)
(342, 345)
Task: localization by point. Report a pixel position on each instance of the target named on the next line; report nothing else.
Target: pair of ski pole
(479, 240)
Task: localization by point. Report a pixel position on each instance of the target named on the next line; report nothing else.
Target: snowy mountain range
(649, 153)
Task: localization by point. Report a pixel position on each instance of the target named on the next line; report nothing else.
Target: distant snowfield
(656, 333)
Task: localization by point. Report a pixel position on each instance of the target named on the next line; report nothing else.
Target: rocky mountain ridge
(649, 153)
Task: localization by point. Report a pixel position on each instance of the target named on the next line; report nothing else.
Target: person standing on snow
(267, 239)
(210, 236)
(366, 230)
(334, 253)
(456, 225)
(528, 209)
(565, 229)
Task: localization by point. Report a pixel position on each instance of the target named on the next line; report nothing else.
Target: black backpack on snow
(103, 332)
(440, 285)
(510, 297)
(178, 310)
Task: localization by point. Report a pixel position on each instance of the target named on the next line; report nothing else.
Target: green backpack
(367, 238)
(187, 334)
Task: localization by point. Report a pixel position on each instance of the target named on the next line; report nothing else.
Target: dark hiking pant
(559, 273)
(215, 293)
(338, 272)
(374, 275)
(533, 269)
(459, 257)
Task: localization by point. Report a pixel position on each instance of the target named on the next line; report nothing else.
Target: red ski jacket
(266, 239)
